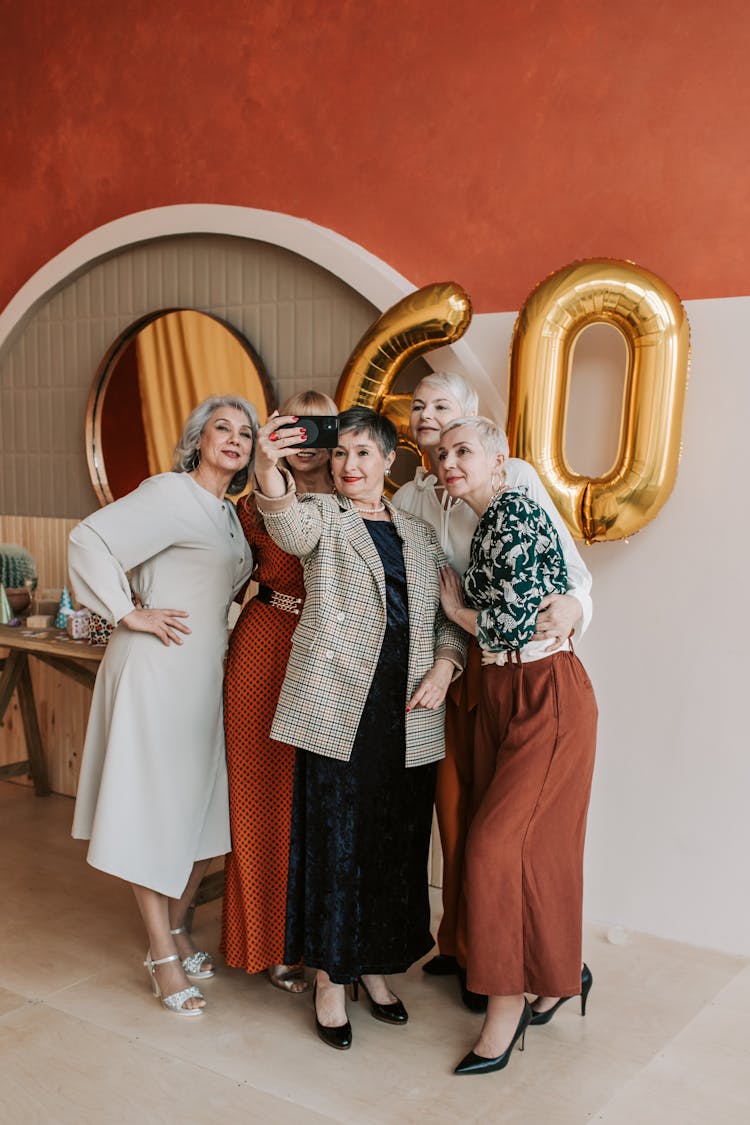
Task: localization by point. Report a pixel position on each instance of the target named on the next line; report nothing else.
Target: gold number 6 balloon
(649, 315)
(429, 318)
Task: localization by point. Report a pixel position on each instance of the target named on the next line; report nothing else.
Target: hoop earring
(497, 482)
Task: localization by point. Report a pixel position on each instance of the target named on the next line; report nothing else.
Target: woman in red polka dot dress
(261, 770)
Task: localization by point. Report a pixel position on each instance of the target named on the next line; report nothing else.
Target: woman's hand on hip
(163, 623)
(557, 618)
(431, 692)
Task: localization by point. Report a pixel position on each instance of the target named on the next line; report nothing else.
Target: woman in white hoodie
(439, 399)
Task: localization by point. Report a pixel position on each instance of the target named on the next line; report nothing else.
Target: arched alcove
(301, 294)
(301, 320)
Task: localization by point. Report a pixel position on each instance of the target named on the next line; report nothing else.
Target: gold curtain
(183, 357)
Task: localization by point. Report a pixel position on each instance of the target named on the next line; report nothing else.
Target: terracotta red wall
(489, 142)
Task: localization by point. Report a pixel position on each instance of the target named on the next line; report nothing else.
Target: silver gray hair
(492, 439)
(456, 386)
(186, 453)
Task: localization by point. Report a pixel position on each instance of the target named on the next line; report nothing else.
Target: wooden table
(76, 659)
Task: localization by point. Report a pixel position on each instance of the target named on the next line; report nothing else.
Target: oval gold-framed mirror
(150, 379)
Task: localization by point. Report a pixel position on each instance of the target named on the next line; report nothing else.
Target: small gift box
(39, 620)
(77, 624)
(100, 630)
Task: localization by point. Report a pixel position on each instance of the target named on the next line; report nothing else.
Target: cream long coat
(152, 795)
(335, 647)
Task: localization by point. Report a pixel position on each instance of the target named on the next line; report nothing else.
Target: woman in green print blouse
(533, 756)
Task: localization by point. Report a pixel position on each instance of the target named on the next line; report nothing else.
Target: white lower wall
(668, 847)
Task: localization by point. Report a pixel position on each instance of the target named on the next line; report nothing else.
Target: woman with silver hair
(152, 796)
(533, 754)
(438, 400)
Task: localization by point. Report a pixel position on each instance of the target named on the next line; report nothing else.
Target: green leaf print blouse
(515, 561)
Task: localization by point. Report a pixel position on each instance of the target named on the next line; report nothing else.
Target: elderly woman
(363, 699)
(533, 756)
(261, 769)
(439, 399)
(152, 796)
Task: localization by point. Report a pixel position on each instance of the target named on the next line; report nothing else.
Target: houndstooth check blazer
(336, 645)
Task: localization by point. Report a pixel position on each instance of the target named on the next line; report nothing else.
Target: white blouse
(455, 522)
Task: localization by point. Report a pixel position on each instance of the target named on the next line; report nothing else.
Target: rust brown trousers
(453, 797)
(523, 872)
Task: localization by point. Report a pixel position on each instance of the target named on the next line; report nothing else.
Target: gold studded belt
(286, 602)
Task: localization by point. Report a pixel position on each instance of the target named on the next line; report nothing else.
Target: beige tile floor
(666, 1038)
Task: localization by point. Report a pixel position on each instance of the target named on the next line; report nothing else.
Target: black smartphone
(322, 431)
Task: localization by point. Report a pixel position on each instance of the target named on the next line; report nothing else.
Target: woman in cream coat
(152, 795)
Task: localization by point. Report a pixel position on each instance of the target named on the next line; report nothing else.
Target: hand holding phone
(322, 431)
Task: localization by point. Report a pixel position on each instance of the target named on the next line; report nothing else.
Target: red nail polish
(274, 437)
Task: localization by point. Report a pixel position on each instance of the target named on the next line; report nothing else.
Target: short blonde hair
(308, 402)
(492, 439)
(456, 386)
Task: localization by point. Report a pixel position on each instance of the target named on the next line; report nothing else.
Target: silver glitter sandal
(175, 1001)
(193, 965)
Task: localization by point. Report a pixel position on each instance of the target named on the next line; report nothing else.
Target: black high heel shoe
(474, 1001)
(387, 1013)
(441, 965)
(338, 1037)
(478, 1064)
(538, 1018)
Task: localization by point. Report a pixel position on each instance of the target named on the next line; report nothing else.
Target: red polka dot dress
(261, 771)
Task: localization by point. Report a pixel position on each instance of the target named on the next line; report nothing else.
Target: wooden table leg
(16, 675)
(11, 667)
(27, 706)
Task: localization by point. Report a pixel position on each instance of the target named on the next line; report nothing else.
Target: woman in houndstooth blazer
(363, 699)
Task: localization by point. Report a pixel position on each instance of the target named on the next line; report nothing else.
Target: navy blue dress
(357, 894)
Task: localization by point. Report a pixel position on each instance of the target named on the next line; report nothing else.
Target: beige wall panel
(47, 541)
(302, 321)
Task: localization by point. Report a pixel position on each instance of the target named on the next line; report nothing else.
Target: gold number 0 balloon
(429, 318)
(649, 315)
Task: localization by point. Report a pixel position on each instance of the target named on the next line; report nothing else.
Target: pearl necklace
(368, 511)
